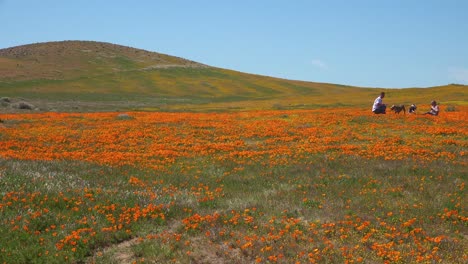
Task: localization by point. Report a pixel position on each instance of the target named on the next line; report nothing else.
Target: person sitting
(379, 107)
(434, 109)
(412, 109)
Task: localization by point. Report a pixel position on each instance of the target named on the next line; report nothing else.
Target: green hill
(87, 75)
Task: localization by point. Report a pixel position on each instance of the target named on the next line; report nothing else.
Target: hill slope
(95, 73)
(73, 59)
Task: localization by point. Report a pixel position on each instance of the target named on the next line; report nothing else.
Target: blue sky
(371, 43)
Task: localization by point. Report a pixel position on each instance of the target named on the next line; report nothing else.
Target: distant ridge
(97, 75)
(68, 59)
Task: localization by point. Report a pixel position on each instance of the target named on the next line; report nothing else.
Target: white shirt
(377, 102)
(435, 109)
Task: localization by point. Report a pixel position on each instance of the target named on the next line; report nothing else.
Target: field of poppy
(273, 186)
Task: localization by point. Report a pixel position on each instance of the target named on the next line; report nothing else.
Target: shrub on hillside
(124, 116)
(450, 108)
(5, 101)
(23, 105)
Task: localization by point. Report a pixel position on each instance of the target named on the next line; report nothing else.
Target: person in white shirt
(379, 107)
(434, 109)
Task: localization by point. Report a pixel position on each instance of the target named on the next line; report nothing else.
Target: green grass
(95, 72)
(318, 189)
(44, 203)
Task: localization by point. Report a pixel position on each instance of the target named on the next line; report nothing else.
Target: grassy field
(87, 76)
(325, 185)
(204, 89)
(131, 156)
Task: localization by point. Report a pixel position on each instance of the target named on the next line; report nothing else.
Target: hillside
(74, 59)
(80, 75)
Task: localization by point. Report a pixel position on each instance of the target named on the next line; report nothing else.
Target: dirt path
(119, 253)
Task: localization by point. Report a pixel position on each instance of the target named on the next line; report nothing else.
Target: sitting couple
(379, 107)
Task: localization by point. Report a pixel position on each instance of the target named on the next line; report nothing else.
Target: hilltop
(88, 75)
(72, 59)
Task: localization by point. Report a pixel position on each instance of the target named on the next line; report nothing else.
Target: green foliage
(96, 72)
(450, 108)
(317, 189)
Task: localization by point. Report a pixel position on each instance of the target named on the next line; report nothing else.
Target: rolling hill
(88, 75)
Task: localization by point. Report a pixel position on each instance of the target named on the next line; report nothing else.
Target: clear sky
(371, 43)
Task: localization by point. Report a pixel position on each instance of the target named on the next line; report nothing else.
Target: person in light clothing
(379, 107)
(434, 109)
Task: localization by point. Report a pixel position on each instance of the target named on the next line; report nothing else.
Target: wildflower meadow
(331, 185)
